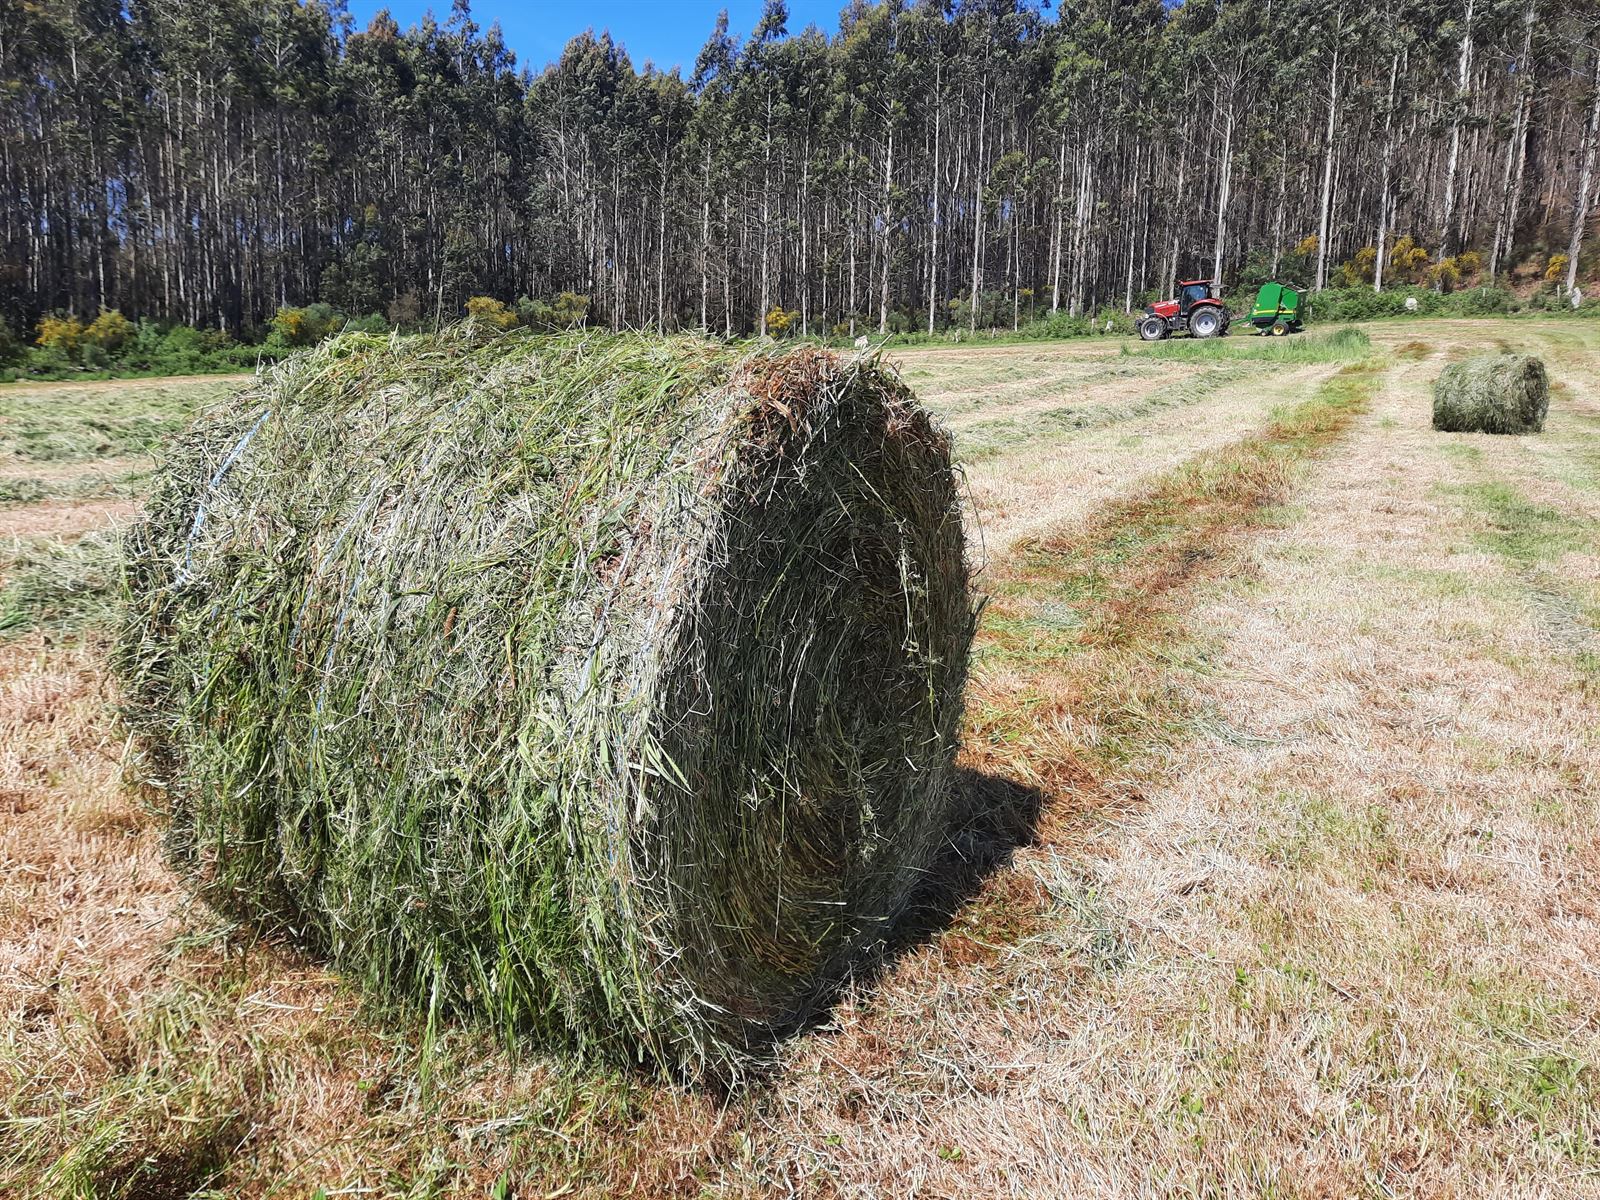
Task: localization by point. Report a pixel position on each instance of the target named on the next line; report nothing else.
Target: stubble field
(1282, 876)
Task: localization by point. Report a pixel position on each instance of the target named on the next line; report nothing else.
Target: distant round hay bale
(605, 688)
(1492, 393)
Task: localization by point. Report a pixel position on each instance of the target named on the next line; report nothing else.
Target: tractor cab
(1192, 291)
(1196, 310)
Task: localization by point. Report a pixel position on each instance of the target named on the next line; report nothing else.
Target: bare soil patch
(64, 518)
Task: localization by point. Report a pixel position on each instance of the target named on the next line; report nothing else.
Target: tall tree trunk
(1516, 151)
(805, 263)
(977, 208)
(1580, 207)
(766, 219)
(1059, 207)
(705, 241)
(1327, 167)
(1386, 188)
(1452, 164)
(1133, 241)
(661, 249)
(888, 256)
(1179, 194)
(1220, 244)
(727, 274)
(933, 250)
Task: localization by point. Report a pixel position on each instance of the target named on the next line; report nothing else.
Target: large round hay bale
(606, 688)
(1492, 393)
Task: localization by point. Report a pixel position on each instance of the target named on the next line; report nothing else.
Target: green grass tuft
(54, 424)
(1343, 344)
(60, 586)
(1523, 532)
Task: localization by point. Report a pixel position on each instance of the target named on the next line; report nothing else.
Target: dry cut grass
(1291, 890)
(77, 422)
(1312, 912)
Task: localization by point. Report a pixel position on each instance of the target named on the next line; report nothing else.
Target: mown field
(1284, 734)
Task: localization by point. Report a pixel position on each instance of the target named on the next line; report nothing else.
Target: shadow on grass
(991, 818)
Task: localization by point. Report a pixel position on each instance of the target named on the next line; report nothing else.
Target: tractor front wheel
(1206, 323)
(1152, 329)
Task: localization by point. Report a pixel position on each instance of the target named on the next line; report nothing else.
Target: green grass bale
(1492, 393)
(602, 688)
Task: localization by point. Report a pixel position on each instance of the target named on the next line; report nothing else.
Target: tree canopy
(921, 165)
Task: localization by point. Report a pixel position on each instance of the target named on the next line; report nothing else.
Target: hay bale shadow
(991, 818)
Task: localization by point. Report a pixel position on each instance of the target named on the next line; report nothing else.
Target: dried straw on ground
(605, 688)
(1492, 393)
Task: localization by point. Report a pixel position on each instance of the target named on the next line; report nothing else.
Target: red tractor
(1197, 310)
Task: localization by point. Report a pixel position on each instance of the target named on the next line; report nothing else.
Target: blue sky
(669, 34)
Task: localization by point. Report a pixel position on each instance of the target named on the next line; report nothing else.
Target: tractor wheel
(1206, 323)
(1279, 329)
(1152, 329)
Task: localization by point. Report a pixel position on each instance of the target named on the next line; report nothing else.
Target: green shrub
(534, 314)
(306, 326)
(1113, 320)
(1057, 325)
(109, 331)
(486, 310)
(59, 332)
(49, 362)
(371, 323)
(1482, 301)
(1363, 304)
(570, 310)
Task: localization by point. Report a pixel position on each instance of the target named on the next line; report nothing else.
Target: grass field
(1282, 876)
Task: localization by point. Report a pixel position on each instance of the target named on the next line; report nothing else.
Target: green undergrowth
(1521, 531)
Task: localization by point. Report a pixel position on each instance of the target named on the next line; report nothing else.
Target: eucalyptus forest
(920, 166)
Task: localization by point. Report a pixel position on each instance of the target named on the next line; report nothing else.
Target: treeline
(64, 345)
(925, 165)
